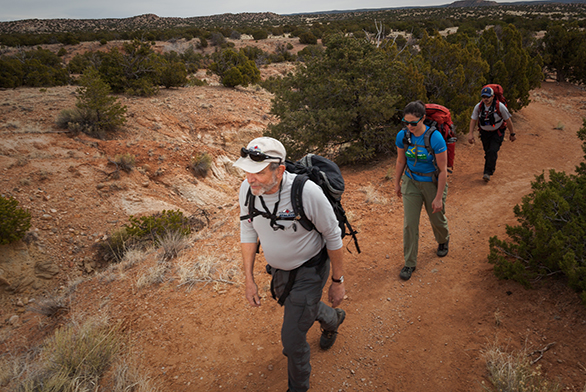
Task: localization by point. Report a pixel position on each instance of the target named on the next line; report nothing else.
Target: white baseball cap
(259, 153)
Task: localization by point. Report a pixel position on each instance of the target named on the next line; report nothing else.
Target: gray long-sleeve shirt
(289, 248)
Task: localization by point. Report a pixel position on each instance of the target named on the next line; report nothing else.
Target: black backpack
(324, 173)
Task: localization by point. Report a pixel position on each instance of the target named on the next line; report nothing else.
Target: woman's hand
(437, 204)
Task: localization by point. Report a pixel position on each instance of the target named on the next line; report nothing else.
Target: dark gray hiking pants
(303, 307)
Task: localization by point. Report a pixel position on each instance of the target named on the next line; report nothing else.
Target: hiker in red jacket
(492, 118)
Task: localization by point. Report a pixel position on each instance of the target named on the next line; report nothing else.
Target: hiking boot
(406, 272)
(486, 177)
(329, 337)
(442, 249)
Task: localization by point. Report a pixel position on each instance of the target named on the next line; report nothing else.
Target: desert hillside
(425, 334)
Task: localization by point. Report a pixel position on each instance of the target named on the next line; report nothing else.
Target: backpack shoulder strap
(297, 201)
(497, 107)
(249, 202)
(427, 140)
(406, 138)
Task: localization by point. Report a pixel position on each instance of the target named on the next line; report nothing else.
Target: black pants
(491, 142)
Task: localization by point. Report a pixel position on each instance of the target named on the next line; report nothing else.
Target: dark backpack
(324, 173)
(486, 116)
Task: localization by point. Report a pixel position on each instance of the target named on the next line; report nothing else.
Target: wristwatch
(512, 133)
(341, 280)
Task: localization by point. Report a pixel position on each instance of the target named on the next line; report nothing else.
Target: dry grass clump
(155, 274)
(514, 372)
(51, 307)
(205, 269)
(132, 257)
(78, 358)
(172, 243)
(127, 377)
(74, 359)
(125, 162)
(373, 196)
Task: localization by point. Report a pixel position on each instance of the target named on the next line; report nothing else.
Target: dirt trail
(424, 334)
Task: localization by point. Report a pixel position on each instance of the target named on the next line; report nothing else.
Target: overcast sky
(99, 9)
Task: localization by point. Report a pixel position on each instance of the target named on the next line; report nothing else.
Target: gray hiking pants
(303, 307)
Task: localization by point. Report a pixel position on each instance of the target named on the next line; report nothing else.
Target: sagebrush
(14, 220)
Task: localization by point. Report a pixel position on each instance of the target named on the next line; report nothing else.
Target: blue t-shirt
(424, 161)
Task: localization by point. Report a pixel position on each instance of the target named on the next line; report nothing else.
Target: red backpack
(437, 118)
(443, 119)
(499, 93)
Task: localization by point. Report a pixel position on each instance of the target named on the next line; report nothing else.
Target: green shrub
(260, 34)
(193, 81)
(343, 103)
(201, 164)
(272, 83)
(136, 70)
(97, 113)
(173, 75)
(307, 38)
(217, 39)
(551, 236)
(232, 78)
(115, 247)
(235, 68)
(14, 221)
(125, 162)
(144, 232)
(203, 43)
(156, 226)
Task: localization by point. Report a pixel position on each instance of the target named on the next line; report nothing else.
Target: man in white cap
(298, 260)
(492, 122)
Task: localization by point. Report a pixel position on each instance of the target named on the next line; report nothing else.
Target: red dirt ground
(427, 334)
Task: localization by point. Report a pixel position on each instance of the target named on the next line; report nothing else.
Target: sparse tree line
(345, 101)
(137, 69)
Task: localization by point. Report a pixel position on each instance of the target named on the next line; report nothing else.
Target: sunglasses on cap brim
(256, 156)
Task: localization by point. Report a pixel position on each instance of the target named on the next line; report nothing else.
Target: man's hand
(252, 294)
(336, 293)
(471, 138)
(512, 138)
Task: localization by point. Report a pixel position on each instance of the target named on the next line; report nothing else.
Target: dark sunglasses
(256, 156)
(412, 123)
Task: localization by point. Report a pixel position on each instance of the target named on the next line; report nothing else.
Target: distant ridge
(152, 21)
(473, 3)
